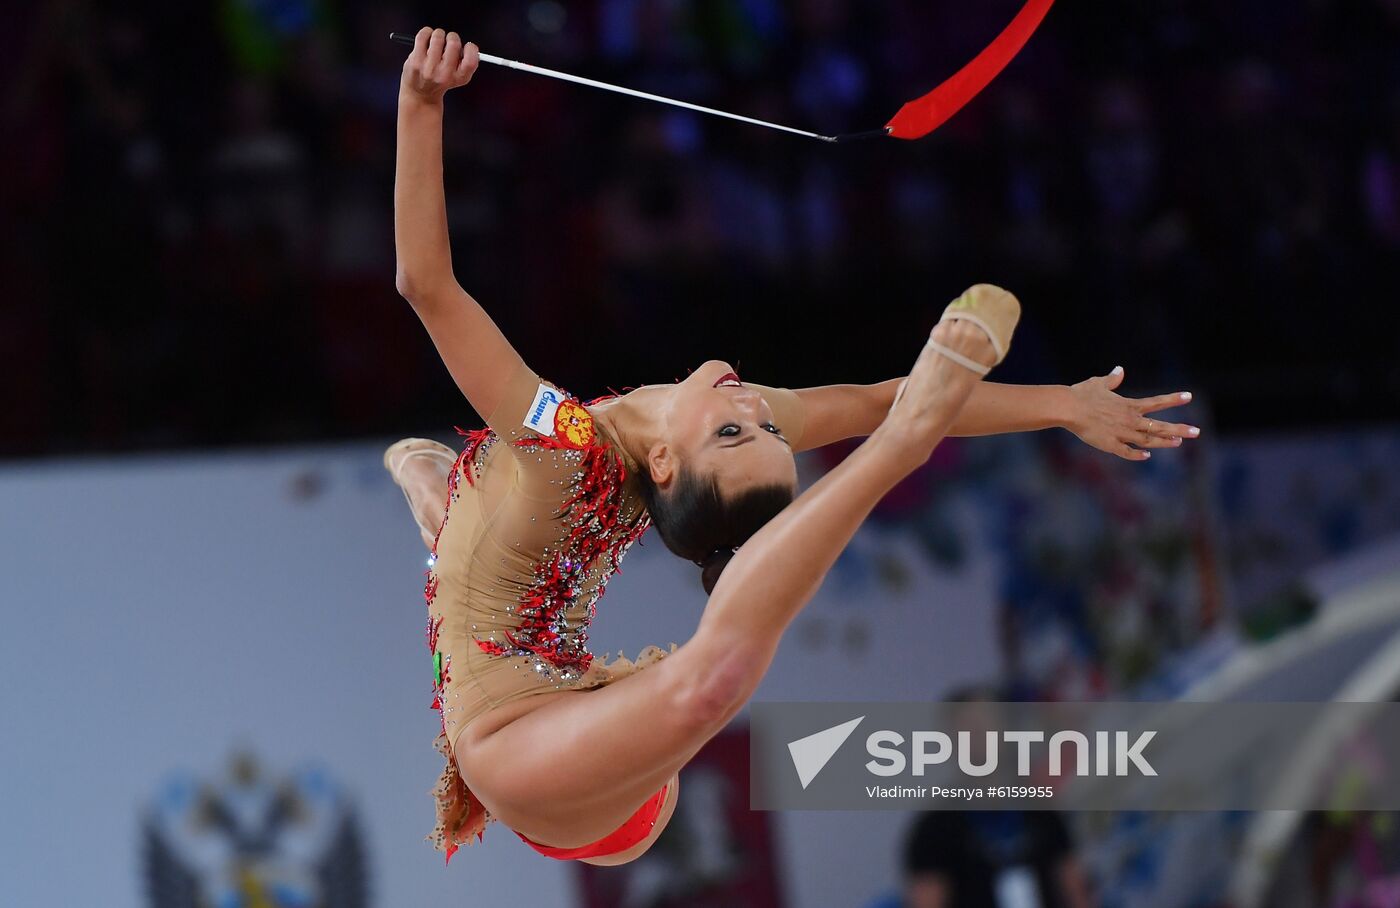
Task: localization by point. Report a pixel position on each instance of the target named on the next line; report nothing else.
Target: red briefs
(633, 830)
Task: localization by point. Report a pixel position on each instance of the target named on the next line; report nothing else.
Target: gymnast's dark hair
(701, 525)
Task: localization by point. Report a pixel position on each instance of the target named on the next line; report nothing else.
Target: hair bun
(712, 565)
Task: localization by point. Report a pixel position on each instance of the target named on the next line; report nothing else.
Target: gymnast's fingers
(471, 58)
(435, 47)
(1127, 452)
(1169, 429)
(452, 52)
(1162, 402)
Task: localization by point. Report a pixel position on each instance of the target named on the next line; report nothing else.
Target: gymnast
(579, 758)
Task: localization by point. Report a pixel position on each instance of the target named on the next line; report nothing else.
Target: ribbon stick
(914, 120)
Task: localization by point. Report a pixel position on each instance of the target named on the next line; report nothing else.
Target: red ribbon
(918, 118)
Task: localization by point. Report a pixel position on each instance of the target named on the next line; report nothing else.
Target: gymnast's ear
(661, 464)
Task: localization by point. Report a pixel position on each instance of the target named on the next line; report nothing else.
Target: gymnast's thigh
(568, 767)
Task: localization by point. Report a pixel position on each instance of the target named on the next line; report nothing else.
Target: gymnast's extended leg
(569, 771)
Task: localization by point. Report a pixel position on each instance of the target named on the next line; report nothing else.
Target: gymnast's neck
(636, 420)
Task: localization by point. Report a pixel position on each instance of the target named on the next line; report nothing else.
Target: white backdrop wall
(161, 611)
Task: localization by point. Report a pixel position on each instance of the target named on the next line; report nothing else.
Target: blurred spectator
(992, 858)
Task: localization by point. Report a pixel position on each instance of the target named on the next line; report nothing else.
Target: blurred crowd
(198, 246)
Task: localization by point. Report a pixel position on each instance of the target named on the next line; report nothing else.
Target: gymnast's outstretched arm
(474, 350)
(1091, 409)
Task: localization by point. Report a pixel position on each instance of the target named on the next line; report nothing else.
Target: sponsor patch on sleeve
(540, 417)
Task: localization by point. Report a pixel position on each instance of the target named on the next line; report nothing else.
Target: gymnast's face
(716, 426)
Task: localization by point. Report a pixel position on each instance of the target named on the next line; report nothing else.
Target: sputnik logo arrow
(812, 753)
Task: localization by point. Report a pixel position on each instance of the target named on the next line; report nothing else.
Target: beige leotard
(542, 507)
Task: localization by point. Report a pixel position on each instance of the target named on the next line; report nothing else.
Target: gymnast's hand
(439, 62)
(1120, 425)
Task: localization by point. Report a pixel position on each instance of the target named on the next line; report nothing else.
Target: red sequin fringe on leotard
(460, 816)
(593, 515)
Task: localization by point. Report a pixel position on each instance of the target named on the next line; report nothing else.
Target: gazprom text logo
(542, 409)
